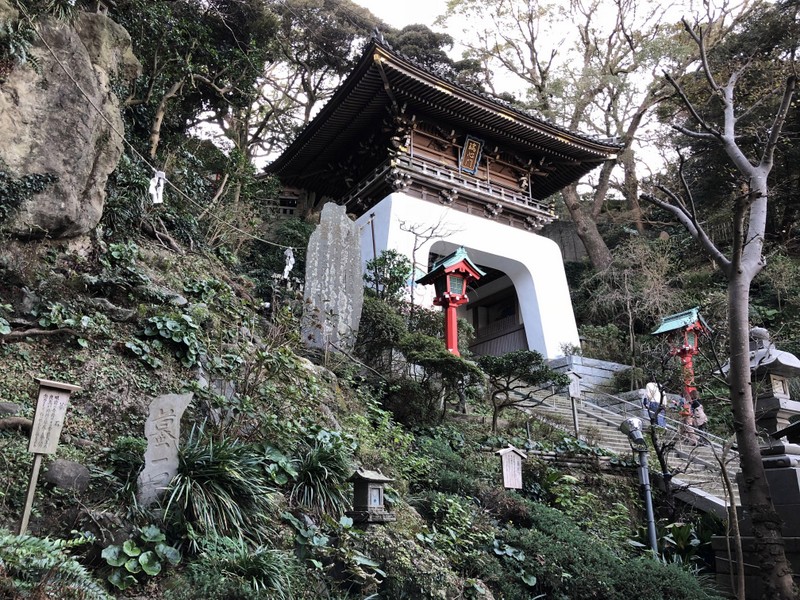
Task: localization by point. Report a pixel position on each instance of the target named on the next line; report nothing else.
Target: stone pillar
(334, 287)
(163, 432)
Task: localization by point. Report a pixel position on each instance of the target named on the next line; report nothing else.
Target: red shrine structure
(684, 329)
(450, 277)
(425, 166)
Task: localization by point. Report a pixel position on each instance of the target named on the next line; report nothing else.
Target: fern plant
(16, 38)
(41, 568)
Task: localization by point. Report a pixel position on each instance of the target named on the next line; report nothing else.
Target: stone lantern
(770, 371)
(780, 454)
(450, 277)
(368, 504)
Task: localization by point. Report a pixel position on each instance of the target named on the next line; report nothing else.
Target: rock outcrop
(65, 124)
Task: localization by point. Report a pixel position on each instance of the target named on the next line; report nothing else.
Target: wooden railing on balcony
(500, 337)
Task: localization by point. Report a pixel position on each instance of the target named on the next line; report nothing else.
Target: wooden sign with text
(48, 420)
(471, 155)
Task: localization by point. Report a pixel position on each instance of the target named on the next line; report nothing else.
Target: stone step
(695, 466)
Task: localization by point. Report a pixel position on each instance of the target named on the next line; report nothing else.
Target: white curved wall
(533, 263)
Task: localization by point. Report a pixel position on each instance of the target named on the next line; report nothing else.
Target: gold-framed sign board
(470, 155)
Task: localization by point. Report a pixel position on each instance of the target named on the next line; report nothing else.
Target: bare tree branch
(690, 107)
(699, 39)
(777, 124)
(695, 230)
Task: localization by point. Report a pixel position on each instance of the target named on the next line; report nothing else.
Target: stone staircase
(696, 473)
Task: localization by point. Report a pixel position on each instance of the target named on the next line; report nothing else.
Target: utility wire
(130, 145)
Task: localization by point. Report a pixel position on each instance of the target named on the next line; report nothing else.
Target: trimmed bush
(567, 563)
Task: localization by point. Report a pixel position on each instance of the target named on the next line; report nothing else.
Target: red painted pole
(687, 366)
(451, 328)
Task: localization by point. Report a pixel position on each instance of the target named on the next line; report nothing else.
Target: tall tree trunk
(630, 188)
(161, 111)
(768, 540)
(596, 248)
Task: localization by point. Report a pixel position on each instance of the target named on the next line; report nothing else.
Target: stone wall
(595, 375)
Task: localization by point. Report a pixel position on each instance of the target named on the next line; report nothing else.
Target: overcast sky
(399, 13)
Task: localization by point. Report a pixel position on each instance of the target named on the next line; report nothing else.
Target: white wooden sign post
(511, 461)
(51, 407)
(574, 396)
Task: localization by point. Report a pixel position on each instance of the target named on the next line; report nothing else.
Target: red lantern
(684, 329)
(450, 277)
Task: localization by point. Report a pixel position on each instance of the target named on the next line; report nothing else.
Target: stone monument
(163, 432)
(334, 288)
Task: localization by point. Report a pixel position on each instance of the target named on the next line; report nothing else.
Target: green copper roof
(454, 258)
(448, 261)
(681, 320)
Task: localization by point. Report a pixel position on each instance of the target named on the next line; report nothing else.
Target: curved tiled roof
(384, 81)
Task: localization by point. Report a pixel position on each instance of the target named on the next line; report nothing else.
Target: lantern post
(450, 277)
(684, 329)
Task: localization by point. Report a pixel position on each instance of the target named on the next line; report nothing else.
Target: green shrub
(229, 569)
(387, 276)
(127, 190)
(379, 332)
(32, 567)
(455, 468)
(457, 530)
(568, 563)
(337, 547)
(628, 379)
(220, 489)
(322, 473)
(385, 445)
(263, 262)
(605, 342)
(410, 402)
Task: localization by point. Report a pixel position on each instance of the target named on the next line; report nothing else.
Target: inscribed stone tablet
(163, 432)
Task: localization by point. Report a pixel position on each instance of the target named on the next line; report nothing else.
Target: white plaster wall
(533, 263)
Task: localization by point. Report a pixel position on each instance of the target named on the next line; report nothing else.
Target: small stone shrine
(334, 288)
(368, 505)
(770, 371)
(511, 461)
(163, 432)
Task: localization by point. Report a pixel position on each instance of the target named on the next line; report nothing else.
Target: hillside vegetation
(257, 509)
(135, 300)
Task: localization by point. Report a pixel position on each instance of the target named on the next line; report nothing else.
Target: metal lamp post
(632, 427)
